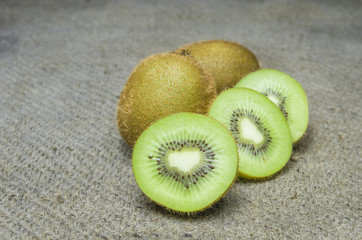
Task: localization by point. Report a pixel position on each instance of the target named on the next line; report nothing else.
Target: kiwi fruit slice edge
(226, 61)
(259, 129)
(185, 162)
(285, 92)
(161, 85)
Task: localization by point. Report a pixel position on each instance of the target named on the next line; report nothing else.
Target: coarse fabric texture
(66, 173)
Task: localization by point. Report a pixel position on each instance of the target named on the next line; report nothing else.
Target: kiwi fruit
(259, 128)
(185, 162)
(227, 62)
(286, 93)
(161, 85)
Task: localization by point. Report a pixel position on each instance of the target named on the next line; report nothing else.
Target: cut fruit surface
(259, 129)
(185, 162)
(284, 92)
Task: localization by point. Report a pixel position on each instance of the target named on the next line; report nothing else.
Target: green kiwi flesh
(185, 162)
(259, 129)
(161, 85)
(286, 93)
(227, 62)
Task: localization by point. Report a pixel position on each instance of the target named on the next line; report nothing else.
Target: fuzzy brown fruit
(227, 62)
(159, 86)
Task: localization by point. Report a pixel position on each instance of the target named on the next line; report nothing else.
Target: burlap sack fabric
(65, 171)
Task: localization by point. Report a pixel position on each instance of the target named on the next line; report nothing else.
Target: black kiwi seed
(281, 105)
(185, 178)
(235, 117)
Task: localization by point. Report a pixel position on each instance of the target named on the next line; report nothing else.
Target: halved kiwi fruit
(161, 85)
(185, 162)
(286, 93)
(227, 62)
(259, 129)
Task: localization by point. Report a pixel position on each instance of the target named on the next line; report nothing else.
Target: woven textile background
(65, 172)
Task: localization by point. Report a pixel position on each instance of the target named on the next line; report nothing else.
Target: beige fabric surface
(65, 172)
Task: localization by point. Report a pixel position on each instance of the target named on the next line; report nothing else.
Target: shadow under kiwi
(307, 140)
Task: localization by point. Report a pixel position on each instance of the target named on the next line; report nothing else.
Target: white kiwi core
(274, 99)
(249, 131)
(185, 161)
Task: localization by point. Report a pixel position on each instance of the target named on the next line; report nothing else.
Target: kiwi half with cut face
(159, 86)
(227, 62)
(259, 129)
(283, 91)
(185, 162)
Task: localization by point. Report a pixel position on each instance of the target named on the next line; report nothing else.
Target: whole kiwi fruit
(227, 62)
(161, 85)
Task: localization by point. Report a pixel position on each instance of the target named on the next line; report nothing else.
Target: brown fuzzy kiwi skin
(226, 61)
(161, 85)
